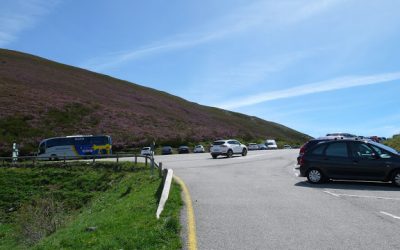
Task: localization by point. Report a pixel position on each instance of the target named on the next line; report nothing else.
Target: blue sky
(315, 66)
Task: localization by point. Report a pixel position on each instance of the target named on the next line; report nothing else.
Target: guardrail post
(94, 159)
(65, 159)
(135, 159)
(33, 160)
(146, 161)
(160, 169)
(117, 158)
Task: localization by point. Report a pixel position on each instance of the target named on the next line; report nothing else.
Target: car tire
(315, 176)
(396, 178)
(214, 156)
(244, 152)
(229, 154)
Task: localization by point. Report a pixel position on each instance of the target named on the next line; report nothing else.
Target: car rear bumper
(218, 153)
(302, 172)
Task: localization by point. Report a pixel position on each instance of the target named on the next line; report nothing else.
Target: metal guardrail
(13, 161)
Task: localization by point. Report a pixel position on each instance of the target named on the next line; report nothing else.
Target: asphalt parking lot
(258, 202)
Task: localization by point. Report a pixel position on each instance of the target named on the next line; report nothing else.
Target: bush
(38, 219)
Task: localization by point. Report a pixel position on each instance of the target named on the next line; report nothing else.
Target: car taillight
(303, 149)
(301, 160)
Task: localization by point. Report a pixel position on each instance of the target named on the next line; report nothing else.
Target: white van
(271, 144)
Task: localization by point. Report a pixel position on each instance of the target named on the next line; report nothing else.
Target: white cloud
(238, 77)
(263, 13)
(20, 15)
(324, 86)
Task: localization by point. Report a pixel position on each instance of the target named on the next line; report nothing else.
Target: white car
(228, 148)
(146, 151)
(253, 146)
(271, 144)
(199, 149)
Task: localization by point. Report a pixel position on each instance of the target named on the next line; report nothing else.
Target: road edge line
(191, 224)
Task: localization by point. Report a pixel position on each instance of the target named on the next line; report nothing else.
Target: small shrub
(38, 219)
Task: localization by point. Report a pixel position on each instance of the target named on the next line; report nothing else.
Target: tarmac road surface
(258, 202)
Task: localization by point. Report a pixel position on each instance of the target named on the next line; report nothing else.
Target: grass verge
(99, 208)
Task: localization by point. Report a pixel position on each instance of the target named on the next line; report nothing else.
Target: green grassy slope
(394, 142)
(97, 207)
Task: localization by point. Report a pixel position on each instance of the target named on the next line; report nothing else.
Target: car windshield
(387, 148)
(146, 148)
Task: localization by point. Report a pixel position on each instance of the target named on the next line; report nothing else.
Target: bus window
(100, 140)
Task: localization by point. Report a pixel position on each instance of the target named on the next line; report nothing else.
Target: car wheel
(244, 152)
(396, 178)
(214, 156)
(230, 153)
(314, 176)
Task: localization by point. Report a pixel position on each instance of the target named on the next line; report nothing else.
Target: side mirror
(375, 156)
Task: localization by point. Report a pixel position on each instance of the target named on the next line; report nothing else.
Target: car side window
(319, 150)
(338, 149)
(362, 151)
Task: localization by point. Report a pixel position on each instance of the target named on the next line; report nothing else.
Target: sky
(315, 66)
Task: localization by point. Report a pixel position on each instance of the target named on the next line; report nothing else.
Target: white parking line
(362, 196)
(336, 195)
(391, 215)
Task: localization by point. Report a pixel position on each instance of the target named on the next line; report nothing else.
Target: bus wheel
(53, 158)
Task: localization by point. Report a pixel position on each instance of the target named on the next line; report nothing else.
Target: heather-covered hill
(41, 98)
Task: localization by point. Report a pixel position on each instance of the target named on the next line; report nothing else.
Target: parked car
(166, 150)
(350, 159)
(271, 144)
(228, 148)
(199, 149)
(183, 150)
(146, 151)
(262, 147)
(312, 143)
(287, 146)
(253, 146)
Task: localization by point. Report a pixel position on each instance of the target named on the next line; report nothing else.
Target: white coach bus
(75, 145)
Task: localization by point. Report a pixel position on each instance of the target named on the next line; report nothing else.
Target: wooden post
(146, 160)
(135, 159)
(94, 158)
(117, 158)
(64, 159)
